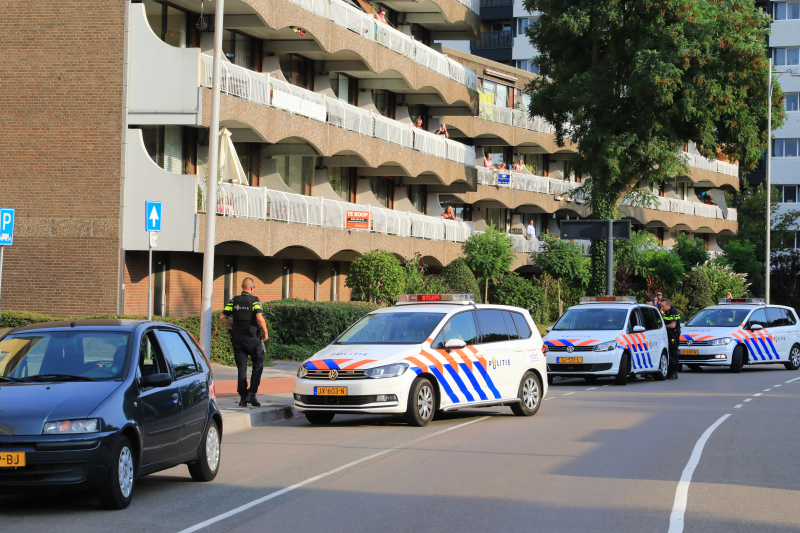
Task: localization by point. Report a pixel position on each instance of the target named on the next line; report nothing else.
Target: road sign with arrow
(152, 215)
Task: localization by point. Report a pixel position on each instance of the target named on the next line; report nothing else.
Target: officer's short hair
(247, 283)
(665, 299)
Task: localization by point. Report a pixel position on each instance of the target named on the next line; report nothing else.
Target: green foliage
(697, 290)
(692, 252)
(680, 301)
(784, 279)
(418, 281)
(666, 268)
(489, 254)
(460, 279)
(550, 287)
(723, 279)
(13, 319)
(377, 277)
(632, 254)
(563, 259)
(513, 289)
(740, 255)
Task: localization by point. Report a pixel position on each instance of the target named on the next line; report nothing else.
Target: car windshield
(392, 328)
(74, 355)
(719, 318)
(591, 318)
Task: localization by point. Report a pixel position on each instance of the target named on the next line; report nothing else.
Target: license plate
(690, 352)
(12, 459)
(330, 391)
(569, 359)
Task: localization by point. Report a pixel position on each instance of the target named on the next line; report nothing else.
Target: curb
(234, 420)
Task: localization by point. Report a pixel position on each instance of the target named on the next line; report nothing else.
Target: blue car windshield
(589, 318)
(75, 355)
(391, 328)
(719, 318)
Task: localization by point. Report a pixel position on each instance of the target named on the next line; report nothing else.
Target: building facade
(322, 159)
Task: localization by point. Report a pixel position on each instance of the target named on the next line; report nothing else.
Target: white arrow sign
(153, 217)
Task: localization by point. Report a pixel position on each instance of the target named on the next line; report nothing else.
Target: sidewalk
(276, 381)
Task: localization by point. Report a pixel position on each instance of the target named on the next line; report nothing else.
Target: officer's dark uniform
(246, 340)
(671, 316)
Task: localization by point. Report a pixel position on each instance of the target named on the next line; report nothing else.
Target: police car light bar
(463, 299)
(761, 301)
(601, 299)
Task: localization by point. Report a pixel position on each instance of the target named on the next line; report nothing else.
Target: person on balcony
(443, 130)
(502, 167)
(487, 162)
(418, 124)
(448, 213)
(381, 17)
(531, 231)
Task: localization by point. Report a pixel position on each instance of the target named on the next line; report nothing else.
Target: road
(596, 457)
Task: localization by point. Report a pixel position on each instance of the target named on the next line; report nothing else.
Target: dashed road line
(567, 394)
(738, 406)
(759, 394)
(775, 386)
(593, 388)
(795, 379)
(747, 400)
(767, 390)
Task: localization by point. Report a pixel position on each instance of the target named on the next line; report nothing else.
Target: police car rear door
(757, 342)
(496, 347)
(638, 341)
(778, 331)
(656, 334)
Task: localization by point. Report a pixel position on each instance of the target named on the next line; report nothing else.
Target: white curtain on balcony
(230, 167)
(719, 198)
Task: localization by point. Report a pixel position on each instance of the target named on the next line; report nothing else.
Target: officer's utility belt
(250, 331)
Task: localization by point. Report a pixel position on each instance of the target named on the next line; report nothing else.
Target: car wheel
(624, 369)
(319, 417)
(207, 465)
(695, 368)
(737, 360)
(663, 368)
(794, 358)
(590, 379)
(421, 402)
(530, 395)
(117, 492)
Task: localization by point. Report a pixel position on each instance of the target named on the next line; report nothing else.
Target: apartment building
(502, 38)
(322, 161)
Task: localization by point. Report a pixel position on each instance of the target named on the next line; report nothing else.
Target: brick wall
(60, 143)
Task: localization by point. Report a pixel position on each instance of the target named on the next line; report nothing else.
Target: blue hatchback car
(96, 404)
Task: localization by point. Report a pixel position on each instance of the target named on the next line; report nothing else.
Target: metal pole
(150, 280)
(610, 260)
(211, 187)
(769, 182)
(2, 249)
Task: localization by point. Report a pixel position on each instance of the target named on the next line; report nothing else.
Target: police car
(432, 352)
(741, 331)
(607, 336)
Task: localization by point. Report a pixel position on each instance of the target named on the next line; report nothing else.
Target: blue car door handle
(175, 398)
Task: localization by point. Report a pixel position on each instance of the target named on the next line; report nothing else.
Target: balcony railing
(723, 167)
(241, 201)
(493, 39)
(513, 117)
(267, 90)
(366, 26)
(496, 3)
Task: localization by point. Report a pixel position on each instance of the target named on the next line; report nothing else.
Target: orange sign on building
(357, 220)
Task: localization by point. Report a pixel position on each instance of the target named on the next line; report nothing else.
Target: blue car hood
(25, 407)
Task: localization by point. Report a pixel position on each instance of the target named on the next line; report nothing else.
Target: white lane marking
(277, 493)
(738, 406)
(610, 385)
(747, 400)
(767, 390)
(759, 394)
(795, 379)
(775, 386)
(682, 492)
(593, 388)
(567, 394)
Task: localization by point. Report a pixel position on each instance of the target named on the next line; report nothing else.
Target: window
(523, 328)
(786, 56)
(522, 24)
(384, 102)
(758, 317)
(151, 360)
(238, 48)
(285, 279)
(786, 11)
(776, 317)
(381, 189)
(391, 328)
(787, 193)
(791, 319)
(199, 357)
(418, 196)
(649, 319)
(510, 326)
(494, 93)
(297, 172)
(495, 216)
(182, 360)
(492, 325)
(527, 65)
(462, 327)
(635, 320)
(591, 318)
(784, 148)
(718, 318)
(792, 102)
(339, 178)
(168, 23)
(164, 145)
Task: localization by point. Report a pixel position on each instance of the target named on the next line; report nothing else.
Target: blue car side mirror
(156, 380)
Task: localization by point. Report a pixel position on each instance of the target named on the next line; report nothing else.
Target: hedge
(297, 328)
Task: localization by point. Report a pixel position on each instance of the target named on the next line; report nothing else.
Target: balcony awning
(230, 167)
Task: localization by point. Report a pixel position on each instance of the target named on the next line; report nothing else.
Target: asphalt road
(596, 457)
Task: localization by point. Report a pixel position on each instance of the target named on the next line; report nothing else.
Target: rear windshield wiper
(57, 377)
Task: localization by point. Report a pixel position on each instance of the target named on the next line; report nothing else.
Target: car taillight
(211, 392)
(544, 350)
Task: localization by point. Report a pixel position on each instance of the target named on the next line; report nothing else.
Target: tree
(697, 290)
(377, 276)
(784, 280)
(722, 279)
(513, 289)
(628, 81)
(691, 252)
(564, 260)
(488, 255)
(740, 256)
(665, 270)
(460, 279)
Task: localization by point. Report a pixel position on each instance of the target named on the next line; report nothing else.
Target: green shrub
(14, 319)
(291, 352)
(376, 276)
(691, 252)
(722, 279)
(697, 291)
(667, 269)
(460, 279)
(513, 289)
(418, 281)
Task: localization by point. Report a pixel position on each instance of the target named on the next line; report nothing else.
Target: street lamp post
(207, 290)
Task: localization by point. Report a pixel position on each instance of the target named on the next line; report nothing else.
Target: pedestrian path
(277, 379)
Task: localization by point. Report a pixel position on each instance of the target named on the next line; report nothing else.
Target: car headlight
(88, 425)
(606, 346)
(388, 371)
(720, 342)
(302, 371)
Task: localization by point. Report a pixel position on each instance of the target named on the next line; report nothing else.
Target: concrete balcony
(528, 132)
(445, 19)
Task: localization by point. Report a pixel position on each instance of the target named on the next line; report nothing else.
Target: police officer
(246, 318)
(672, 320)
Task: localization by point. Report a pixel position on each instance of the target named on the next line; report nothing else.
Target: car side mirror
(756, 327)
(548, 329)
(156, 380)
(455, 344)
(638, 329)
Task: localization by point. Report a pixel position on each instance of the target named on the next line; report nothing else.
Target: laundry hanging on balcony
(230, 167)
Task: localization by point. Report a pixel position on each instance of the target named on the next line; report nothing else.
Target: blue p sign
(6, 227)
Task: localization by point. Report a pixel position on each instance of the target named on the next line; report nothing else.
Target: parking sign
(6, 227)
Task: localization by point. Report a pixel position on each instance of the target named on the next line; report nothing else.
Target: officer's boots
(251, 399)
(242, 401)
